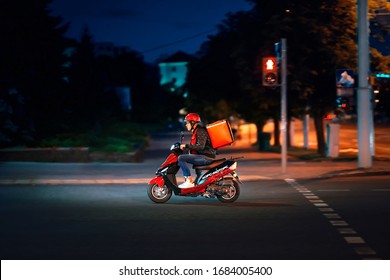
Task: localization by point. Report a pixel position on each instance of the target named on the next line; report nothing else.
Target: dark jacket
(201, 143)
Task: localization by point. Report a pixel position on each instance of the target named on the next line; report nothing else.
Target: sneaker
(206, 194)
(187, 183)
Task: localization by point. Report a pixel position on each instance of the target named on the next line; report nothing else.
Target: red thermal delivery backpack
(220, 133)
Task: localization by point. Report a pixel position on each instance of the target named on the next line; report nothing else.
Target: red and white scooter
(218, 179)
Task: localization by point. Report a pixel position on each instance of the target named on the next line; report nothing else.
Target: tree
(31, 55)
(316, 48)
(227, 72)
(143, 79)
(212, 77)
(85, 85)
(129, 70)
(379, 30)
(329, 48)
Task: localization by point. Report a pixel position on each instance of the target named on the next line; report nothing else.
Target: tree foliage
(52, 84)
(45, 88)
(31, 55)
(321, 37)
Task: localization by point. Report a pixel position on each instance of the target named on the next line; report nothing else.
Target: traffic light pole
(283, 93)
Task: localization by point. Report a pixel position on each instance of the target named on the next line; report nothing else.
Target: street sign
(345, 82)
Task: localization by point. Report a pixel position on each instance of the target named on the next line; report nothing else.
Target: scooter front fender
(158, 180)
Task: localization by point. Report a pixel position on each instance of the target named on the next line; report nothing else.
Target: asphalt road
(363, 203)
(349, 141)
(337, 219)
(273, 219)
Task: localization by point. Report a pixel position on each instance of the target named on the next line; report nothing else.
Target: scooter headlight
(175, 146)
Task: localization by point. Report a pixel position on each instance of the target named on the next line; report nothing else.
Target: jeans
(193, 159)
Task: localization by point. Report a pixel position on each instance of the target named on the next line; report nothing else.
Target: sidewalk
(270, 165)
(254, 165)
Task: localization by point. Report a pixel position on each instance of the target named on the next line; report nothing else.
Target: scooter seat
(209, 166)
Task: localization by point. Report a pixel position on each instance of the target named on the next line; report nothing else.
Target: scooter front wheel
(159, 194)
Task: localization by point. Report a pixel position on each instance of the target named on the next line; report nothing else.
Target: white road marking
(346, 230)
(342, 226)
(324, 209)
(354, 240)
(332, 215)
(364, 251)
(338, 223)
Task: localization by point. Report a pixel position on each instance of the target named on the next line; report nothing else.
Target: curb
(357, 174)
(131, 181)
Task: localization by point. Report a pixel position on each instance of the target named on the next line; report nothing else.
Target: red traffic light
(270, 64)
(270, 71)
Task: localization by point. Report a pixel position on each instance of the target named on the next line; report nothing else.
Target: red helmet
(192, 117)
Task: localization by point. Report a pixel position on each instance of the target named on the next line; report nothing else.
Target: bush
(66, 140)
(113, 137)
(114, 144)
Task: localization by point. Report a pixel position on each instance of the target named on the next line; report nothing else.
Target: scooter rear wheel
(231, 195)
(159, 194)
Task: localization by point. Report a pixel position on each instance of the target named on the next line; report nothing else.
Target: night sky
(152, 27)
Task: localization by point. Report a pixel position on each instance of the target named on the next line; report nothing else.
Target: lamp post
(283, 92)
(364, 104)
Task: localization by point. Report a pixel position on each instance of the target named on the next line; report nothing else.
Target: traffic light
(270, 72)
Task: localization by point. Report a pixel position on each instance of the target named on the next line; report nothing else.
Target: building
(173, 70)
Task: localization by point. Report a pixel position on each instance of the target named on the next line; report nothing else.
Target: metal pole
(306, 128)
(364, 108)
(284, 105)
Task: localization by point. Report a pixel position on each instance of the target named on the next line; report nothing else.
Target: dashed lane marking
(332, 216)
(316, 200)
(311, 197)
(364, 251)
(346, 230)
(349, 234)
(321, 204)
(354, 240)
(338, 223)
(325, 209)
